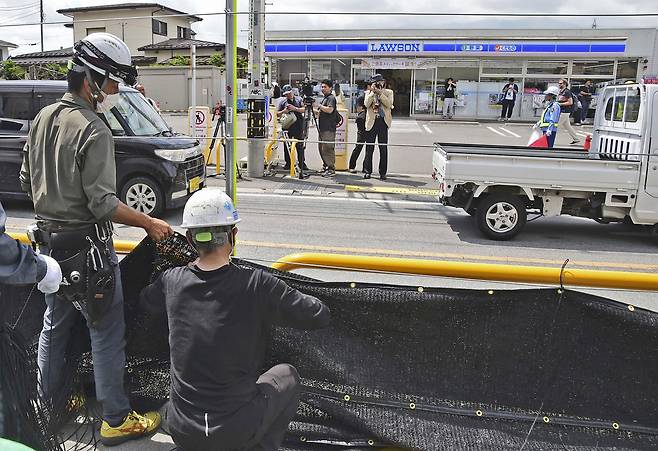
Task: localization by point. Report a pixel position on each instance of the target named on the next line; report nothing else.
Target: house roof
(184, 44)
(62, 56)
(180, 43)
(7, 44)
(71, 11)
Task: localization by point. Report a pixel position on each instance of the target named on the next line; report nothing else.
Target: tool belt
(88, 278)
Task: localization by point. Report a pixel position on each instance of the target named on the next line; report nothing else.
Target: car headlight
(178, 155)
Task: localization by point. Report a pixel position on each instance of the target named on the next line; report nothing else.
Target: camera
(307, 88)
(379, 85)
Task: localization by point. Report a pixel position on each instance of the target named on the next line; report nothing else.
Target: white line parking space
(427, 129)
(497, 132)
(510, 132)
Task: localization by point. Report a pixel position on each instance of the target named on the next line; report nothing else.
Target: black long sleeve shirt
(219, 325)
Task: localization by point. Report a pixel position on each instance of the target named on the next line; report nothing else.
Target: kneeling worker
(220, 316)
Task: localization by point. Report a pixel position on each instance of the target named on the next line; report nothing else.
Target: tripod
(220, 129)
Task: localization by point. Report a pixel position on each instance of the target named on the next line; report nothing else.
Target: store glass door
(423, 92)
(359, 77)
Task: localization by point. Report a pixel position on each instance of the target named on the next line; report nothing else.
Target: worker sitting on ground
(220, 317)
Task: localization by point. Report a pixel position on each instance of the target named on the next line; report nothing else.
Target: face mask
(109, 102)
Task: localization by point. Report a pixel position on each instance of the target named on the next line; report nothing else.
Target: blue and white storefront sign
(432, 47)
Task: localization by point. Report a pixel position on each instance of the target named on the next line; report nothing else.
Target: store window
(291, 71)
(95, 30)
(547, 67)
(627, 69)
(511, 67)
(594, 68)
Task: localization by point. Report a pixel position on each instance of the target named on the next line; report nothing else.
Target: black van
(156, 169)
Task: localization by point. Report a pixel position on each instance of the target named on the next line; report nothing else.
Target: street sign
(199, 127)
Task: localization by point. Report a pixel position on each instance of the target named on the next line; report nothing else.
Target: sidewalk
(342, 185)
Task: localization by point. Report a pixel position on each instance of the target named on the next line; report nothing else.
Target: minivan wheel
(144, 195)
(501, 216)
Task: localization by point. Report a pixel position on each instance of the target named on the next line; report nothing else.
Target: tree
(9, 70)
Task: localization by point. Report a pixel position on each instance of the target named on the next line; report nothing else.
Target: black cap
(375, 78)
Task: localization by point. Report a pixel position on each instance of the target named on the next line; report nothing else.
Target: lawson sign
(395, 47)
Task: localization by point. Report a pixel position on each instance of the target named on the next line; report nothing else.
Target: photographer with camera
(290, 110)
(327, 120)
(378, 103)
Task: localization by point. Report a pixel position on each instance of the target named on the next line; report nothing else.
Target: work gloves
(53, 278)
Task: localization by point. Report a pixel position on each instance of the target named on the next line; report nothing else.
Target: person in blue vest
(551, 115)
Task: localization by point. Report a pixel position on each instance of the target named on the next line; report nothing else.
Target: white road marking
(427, 129)
(408, 126)
(497, 132)
(510, 132)
(342, 199)
(584, 135)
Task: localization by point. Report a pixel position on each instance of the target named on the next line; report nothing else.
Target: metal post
(41, 17)
(231, 97)
(255, 155)
(193, 90)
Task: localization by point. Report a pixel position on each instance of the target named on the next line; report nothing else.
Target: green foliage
(11, 71)
(217, 60)
(178, 60)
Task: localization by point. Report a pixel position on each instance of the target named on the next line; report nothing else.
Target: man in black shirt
(327, 122)
(565, 99)
(585, 97)
(449, 98)
(220, 317)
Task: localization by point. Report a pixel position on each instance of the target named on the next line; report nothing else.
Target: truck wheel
(144, 195)
(501, 216)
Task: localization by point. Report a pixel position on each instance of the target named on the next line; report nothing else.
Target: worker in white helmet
(220, 316)
(550, 118)
(69, 171)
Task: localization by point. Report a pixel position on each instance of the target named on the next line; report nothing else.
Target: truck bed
(563, 169)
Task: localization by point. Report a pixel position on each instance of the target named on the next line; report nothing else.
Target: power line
(18, 8)
(351, 13)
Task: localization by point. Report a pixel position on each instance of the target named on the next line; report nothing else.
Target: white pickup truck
(616, 180)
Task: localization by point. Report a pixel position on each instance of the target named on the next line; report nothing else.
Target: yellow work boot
(134, 426)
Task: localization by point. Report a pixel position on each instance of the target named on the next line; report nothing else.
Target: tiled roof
(180, 43)
(69, 11)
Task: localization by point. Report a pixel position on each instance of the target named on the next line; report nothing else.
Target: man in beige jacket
(379, 104)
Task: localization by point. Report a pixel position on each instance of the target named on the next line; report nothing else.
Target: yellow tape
(392, 190)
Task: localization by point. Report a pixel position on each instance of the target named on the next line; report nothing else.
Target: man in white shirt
(510, 90)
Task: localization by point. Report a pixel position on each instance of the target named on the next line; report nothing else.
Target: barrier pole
(293, 157)
(478, 271)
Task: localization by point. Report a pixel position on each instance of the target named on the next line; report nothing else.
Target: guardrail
(558, 276)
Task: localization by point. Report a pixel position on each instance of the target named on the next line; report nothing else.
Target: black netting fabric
(432, 369)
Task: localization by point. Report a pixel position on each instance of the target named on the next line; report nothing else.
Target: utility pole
(256, 108)
(41, 18)
(231, 49)
(192, 115)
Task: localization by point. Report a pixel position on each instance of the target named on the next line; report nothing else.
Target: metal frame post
(231, 98)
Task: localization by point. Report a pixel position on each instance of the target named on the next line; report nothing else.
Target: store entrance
(399, 80)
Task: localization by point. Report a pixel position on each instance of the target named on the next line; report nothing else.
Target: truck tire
(144, 195)
(501, 216)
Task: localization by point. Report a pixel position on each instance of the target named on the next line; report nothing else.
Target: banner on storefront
(398, 63)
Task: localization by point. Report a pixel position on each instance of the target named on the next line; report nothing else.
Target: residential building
(137, 24)
(5, 47)
(165, 50)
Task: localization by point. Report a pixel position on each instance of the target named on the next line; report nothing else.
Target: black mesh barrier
(432, 369)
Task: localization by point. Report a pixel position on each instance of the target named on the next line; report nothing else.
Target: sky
(212, 27)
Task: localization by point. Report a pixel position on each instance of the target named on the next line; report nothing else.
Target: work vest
(543, 122)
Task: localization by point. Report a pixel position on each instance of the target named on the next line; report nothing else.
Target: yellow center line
(445, 255)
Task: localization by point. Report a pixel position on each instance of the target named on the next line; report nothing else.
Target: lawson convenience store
(416, 63)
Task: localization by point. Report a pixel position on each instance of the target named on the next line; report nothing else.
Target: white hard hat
(108, 55)
(210, 207)
(554, 90)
